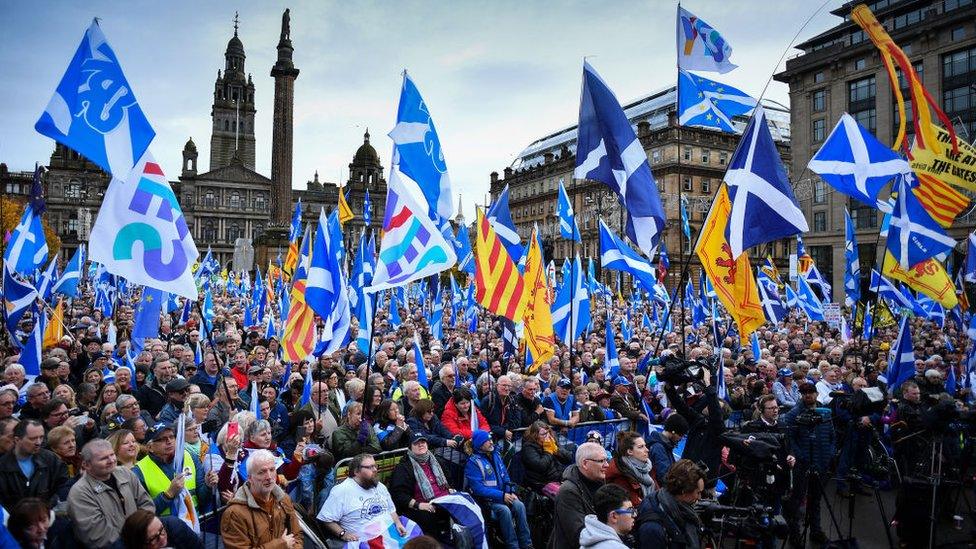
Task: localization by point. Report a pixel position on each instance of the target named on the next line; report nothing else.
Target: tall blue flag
(567, 219)
(27, 249)
(901, 362)
(367, 209)
(418, 356)
(501, 221)
(571, 309)
(18, 297)
(710, 104)
(685, 227)
(146, 322)
(852, 272)
(608, 151)
(437, 316)
(808, 301)
(94, 110)
(321, 286)
(763, 205)
(611, 363)
(464, 252)
(970, 268)
(617, 255)
(67, 285)
(30, 355)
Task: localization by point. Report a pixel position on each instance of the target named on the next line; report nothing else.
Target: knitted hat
(479, 438)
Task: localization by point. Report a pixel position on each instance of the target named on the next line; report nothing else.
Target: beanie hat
(479, 438)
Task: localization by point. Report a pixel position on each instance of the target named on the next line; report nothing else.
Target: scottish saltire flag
(914, 236)
(367, 209)
(770, 299)
(27, 247)
(46, 280)
(571, 310)
(141, 233)
(567, 219)
(755, 347)
(855, 163)
(901, 361)
(417, 154)
(625, 330)
(383, 534)
(30, 354)
(867, 324)
(808, 301)
(611, 363)
(18, 297)
(885, 289)
(418, 357)
(94, 111)
(208, 312)
(269, 330)
(685, 227)
(816, 279)
(413, 246)
(701, 47)
(67, 284)
(608, 151)
(437, 316)
(500, 218)
(335, 333)
(294, 234)
(970, 266)
(852, 271)
(709, 104)
(182, 505)
(464, 252)
(763, 206)
(465, 513)
(322, 285)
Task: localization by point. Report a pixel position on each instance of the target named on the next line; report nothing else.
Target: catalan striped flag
(939, 199)
(499, 286)
(294, 236)
(299, 337)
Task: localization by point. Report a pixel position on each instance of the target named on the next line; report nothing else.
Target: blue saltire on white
(417, 152)
(914, 236)
(709, 104)
(94, 110)
(901, 360)
(335, 332)
(269, 330)
(30, 354)
(970, 268)
(367, 209)
(685, 227)
(770, 299)
(756, 348)
(699, 46)
(790, 297)
(208, 312)
(567, 219)
(437, 316)
(67, 284)
(321, 286)
(465, 513)
(852, 270)
(571, 309)
(27, 249)
(816, 279)
(763, 205)
(808, 301)
(418, 357)
(855, 163)
(608, 151)
(500, 218)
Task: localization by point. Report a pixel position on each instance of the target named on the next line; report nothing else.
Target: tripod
(812, 478)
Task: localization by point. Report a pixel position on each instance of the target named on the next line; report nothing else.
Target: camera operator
(667, 518)
(812, 442)
(769, 422)
(705, 425)
(854, 420)
(905, 420)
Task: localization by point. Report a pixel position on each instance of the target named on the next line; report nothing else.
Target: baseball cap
(621, 380)
(785, 372)
(157, 430)
(178, 385)
(565, 383)
(50, 364)
(417, 437)
(256, 369)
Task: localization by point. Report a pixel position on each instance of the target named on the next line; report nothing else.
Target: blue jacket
(661, 452)
(812, 445)
(487, 477)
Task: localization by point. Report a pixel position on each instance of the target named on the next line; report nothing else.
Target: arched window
(209, 231)
(235, 199)
(209, 199)
(233, 232)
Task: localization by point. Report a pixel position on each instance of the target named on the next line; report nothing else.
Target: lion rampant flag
(499, 285)
(345, 212)
(732, 279)
(55, 328)
(539, 334)
(928, 277)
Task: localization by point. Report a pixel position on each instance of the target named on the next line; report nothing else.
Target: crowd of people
(353, 443)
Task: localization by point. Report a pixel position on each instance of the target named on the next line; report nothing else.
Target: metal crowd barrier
(385, 463)
(577, 435)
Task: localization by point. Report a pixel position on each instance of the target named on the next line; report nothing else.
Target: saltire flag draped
(755, 347)
(500, 218)
(867, 325)
(182, 505)
(567, 219)
(901, 361)
(913, 236)
(608, 151)
(571, 311)
(94, 110)
(814, 277)
(763, 206)
(27, 247)
(18, 296)
(855, 163)
(437, 316)
(539, 337)
(294, 237)
(465, 255)
(383, 534)
(500, 287)
(709, 104)
(413, 246)
(67, 284)
(466, 513)
(700, 47)
(617, 255)
(808, 302)
(417, 155)
(772, 303)
(852, 270)
(731, 276)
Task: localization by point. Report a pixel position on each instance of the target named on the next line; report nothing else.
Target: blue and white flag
(808, 301)
(94, 110)
(18, 296)
(321, 286)
(417, 152)
(67, 284)
(852, 270)
(700, 47)
(685, 227)
(46, 281)
(567, 219)
(463, 249)
(146, 316)
(500, 218)
(608, 151)
(367, 209)
(30, 355)
(886, 290)
(611, 364)
(970, 268)
(817, 280)
(763, 206)
(901, 361)
(418, 357)
(337, 322)
(437, 316)
(617, 255)
(467, 514)
(571, 309)
(709, 104)
(769, 298)
(27, 249)
(914, 236)
(755, 347)
(855, 163)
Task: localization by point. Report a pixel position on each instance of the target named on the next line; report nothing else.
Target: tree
(11, 209)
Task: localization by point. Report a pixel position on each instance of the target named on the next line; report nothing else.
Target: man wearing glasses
(577, 494)
(359, 501)
(614, 518)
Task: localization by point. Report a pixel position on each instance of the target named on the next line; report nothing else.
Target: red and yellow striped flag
(499, 285)
(939, 199)
(299, 337)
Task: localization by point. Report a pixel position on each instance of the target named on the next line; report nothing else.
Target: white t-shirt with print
(354, 507)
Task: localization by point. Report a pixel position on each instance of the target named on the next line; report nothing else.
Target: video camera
(752, 522)
(811, 417)
(863, 402)
(751, 450)
(677, 371)
(945, 417)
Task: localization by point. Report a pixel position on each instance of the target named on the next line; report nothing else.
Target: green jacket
(345, 443)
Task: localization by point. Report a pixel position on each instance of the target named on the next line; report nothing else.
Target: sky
(496, 75)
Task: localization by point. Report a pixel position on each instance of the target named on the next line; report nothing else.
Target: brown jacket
(625, 481)
(246, 525)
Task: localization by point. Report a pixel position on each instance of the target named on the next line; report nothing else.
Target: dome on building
(366, 154)
(235, 47)
(190, 146)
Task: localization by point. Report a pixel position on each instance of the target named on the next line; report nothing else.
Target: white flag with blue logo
(608, 151)
(567, 219)
(94, 110)
(709, 104)
(701, 47)
(763, 206)
(913, 235)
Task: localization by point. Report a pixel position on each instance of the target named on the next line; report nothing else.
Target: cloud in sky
(496, 75)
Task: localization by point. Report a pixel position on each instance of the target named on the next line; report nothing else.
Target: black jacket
(660, 526)
(152, 398)
(440, 394)
(541, 467)
(528, 410)
(573, 503)
(703, 430)
(49, 476)
(437, 434)
(502, 417)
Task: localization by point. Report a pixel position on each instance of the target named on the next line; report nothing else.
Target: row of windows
(231, 125)
(209, 232)
(705, 156)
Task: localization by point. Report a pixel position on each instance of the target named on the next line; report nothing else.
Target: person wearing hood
(261, 514)
(614, 518)
(576, 495)
(666, 519)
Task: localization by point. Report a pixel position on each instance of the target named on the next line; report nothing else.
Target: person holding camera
(705, 425)
(667, 518)
(770, 423)
(812, 442)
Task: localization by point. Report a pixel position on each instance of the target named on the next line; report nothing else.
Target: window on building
(655, 156)
(862, 90)
(210, 231)
(706, 185)
(824, 257)
(704, 155)
(857, 37)
(958, 97)
(723, 158)
(72, 189)
(687, 153)
(819, 127)
(73, 224)
(235, 199)
(819, 222)
(818, 77)
(819, 191)
(950, 5)
(860, 64)
(234, 232)
(209, 199)
(861, 102)
(819, 101)
(260, 202)
(864, 217)
(686, 184)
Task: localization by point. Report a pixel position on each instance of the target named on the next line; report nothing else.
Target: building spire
(236, 22)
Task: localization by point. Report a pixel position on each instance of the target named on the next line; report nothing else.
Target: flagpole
(684, 271)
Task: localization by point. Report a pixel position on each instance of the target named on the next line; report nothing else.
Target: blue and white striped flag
(18, 296)
(67, 284)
